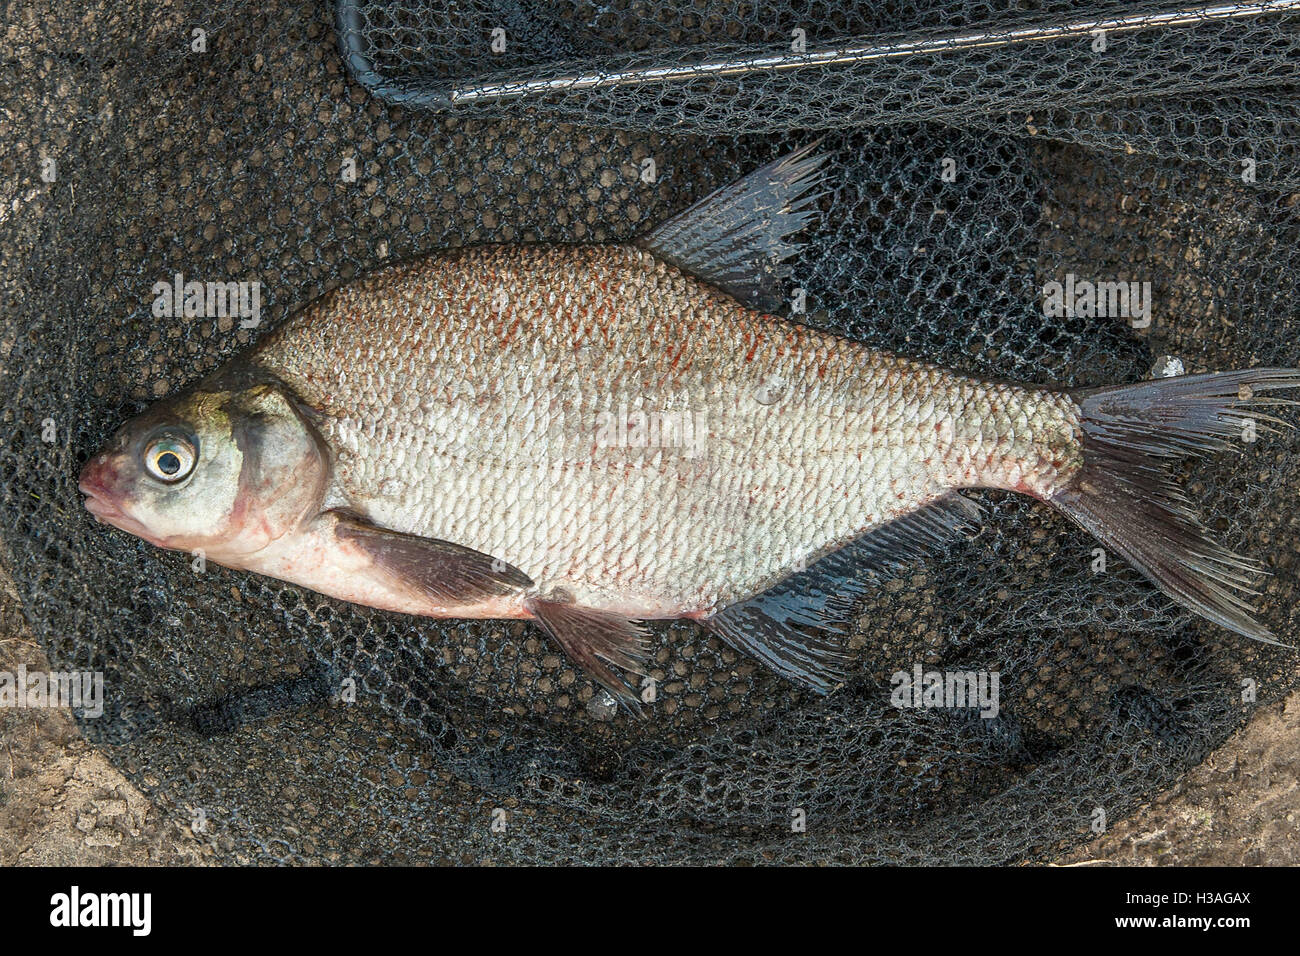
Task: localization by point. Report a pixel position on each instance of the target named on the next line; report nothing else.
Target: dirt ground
(63, 803)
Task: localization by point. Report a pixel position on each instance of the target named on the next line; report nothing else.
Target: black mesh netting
(1167, 156)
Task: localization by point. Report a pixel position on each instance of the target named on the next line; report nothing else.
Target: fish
(592, 436)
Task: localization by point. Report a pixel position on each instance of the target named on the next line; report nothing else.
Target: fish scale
(519, 472)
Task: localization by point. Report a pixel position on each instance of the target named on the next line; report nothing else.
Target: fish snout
(98, 482)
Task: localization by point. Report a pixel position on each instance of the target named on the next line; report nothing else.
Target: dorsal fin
(823, 596)
(738, 238)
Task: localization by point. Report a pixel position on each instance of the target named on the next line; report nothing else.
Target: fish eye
(169, 458)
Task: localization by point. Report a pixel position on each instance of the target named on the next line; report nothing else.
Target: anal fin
(595, 639)
(764, 627)
(822, 598)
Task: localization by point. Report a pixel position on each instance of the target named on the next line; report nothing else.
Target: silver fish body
(622, 431)
(589, 436)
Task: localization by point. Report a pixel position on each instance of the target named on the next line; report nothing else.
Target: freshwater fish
(592, 436)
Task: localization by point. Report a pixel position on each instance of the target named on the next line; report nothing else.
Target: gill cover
(285, 463)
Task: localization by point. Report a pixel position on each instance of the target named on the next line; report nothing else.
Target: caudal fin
(1125, 493)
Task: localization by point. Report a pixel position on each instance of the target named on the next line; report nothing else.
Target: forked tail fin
(1125, 493)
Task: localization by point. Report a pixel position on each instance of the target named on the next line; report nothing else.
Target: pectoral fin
(591, 638)
(445, 573)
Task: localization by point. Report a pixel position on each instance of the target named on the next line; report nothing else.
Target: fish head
(225, 472)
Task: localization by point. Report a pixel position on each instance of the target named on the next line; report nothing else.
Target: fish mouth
(99, 498)
(97, 504)
(99, 501)
(102, 510)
